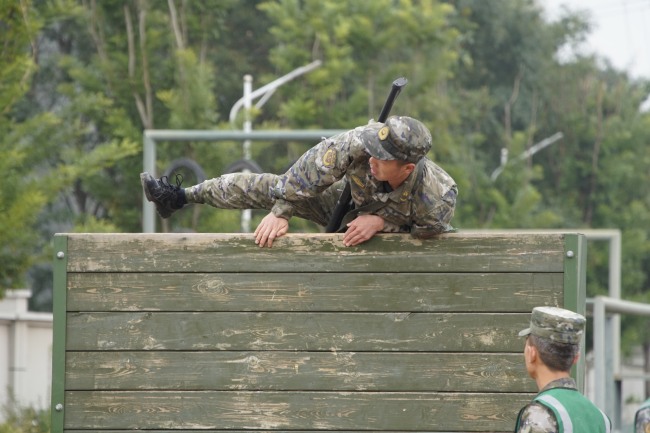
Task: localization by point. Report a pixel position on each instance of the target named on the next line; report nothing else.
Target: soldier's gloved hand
(270, 228)
(362, 228)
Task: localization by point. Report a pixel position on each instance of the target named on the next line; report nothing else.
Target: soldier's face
(390, 170)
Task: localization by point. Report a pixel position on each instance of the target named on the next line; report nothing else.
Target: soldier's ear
(410, 167)
(530, 352)
(576, 358)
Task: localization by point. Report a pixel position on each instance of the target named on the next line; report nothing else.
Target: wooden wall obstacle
(210, 333)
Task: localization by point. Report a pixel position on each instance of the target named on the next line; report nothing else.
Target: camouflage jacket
(642, 418)
(423, 205)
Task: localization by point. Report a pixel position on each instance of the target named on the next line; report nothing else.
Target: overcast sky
(620, 31)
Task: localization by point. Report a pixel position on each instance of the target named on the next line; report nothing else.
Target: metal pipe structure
(527, 154)
(151, 136)
(606, 396)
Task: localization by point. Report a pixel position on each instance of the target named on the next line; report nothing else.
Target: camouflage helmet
(556, 324)
(402, 138)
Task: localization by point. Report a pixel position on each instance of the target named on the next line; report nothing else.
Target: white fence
(25, 353)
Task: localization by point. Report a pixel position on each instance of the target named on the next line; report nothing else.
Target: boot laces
(164, 181)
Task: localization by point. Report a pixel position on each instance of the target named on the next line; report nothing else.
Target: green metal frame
(575, 290)
(59, 327)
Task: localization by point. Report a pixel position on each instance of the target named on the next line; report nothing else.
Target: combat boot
(168, 198)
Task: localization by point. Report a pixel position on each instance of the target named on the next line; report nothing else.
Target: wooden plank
(363, 411)
(313, 371)
(268, 431)
(403, 292)
(471, 332)
(317, 253)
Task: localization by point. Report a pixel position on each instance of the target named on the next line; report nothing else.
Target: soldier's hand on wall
(362, 228)
(270, 228)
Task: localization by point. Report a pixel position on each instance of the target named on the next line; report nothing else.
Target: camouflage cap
(556, 324)
(401, 137)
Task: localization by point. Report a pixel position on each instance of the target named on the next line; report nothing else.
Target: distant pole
(246, 214)
(246, 101)
(267, 90)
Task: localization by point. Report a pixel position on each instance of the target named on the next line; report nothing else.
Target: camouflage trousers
(256, 191)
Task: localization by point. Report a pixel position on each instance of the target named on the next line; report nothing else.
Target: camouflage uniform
(559, 398)
(423, 205)
(642, 418)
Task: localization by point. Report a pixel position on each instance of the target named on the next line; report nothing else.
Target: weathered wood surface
(296, 331)
(295, 371)
(288, 410)
(209, 333)
(380, 291)
(314, 253)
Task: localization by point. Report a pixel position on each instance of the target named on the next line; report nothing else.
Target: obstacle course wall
(208, 332)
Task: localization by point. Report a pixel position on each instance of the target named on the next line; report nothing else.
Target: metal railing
(604, 311)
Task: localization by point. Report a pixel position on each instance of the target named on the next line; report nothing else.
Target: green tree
(95, 75)
(364, 46)
(82, 79)
(21, 196)
(589, 178)
(500, 91)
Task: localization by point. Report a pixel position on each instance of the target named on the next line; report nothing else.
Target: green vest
(573, 411)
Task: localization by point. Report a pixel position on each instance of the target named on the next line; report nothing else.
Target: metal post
(248, 124)
(610, 386)
(615, 292)
(599, 352)
(149, 165)
(267, 90)
(248, 127)
(527, 154)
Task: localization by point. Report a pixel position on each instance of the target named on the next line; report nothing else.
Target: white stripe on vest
(560, 409)
(566, 419)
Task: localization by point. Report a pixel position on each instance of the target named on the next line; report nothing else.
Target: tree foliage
(82, 79)
(21, 192)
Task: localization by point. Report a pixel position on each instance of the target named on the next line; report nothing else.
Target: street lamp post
(246, 102)
(530, 152)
